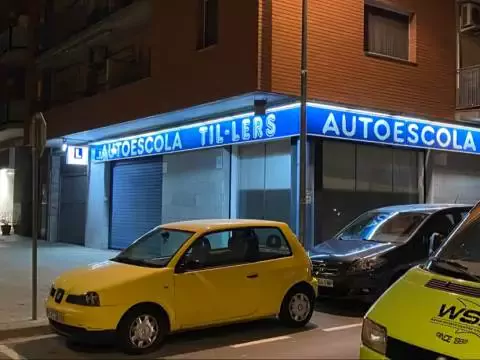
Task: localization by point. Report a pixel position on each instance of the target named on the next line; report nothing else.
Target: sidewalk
(16, 273)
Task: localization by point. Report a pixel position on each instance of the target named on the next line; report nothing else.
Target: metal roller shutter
(136, 200)
(455, 178)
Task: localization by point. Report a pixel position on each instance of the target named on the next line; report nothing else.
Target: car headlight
(374, 336)
(367, 264)
(310, 268)
(91, 298)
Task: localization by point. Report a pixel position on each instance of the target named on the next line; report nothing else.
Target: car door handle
(252, 276)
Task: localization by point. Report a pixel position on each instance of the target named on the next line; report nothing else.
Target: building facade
(16, 78)
(166, 111)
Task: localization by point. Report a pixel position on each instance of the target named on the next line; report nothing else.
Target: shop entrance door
(73, 204)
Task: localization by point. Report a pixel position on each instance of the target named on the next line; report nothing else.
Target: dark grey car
(379, 246)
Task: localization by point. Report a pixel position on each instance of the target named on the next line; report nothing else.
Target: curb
(24, 329)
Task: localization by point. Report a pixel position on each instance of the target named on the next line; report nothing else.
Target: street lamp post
(303, 128)
(38, 139)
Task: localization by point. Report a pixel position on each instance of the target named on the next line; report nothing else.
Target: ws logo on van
(463, 317)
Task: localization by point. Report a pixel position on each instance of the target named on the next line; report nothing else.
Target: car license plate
(325, 282)
(54, 315)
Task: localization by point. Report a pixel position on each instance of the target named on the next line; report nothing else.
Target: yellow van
(433, 311)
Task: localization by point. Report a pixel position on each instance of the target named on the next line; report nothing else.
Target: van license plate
(54, 315)
(325, 282)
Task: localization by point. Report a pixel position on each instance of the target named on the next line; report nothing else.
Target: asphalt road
(334, 333)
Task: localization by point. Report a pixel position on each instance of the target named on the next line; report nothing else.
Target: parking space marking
(10, 353)
(28, 339)
(344, 327)
(263, 341)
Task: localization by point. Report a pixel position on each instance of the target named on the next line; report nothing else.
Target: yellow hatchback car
(186, 275)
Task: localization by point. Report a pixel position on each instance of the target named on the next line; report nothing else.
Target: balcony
(12, 119)
(83, 80)
(13, 114)
(14, 45)
(79, 27)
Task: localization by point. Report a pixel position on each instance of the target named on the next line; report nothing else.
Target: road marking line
(344, 327)
(28, 339)
(12, 354)
(263, 341)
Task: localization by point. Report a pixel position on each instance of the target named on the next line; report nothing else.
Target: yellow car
(186, 275)
(432, 312)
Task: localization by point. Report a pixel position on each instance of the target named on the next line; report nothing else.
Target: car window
(244, 245)
(156, 247)
(382, 226)
(450, 217)
(272, 243)
(442, 223)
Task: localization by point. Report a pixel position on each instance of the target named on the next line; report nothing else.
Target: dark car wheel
(142, 330)
(297, 307)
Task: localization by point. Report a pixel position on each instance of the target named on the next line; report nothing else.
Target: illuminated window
(386, 33)
(208, 23)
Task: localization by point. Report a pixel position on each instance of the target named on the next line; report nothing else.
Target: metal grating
(453, 287)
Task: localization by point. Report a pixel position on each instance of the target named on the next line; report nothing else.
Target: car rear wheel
(142, 330)
(297, 307)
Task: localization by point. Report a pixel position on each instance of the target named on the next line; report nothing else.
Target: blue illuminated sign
(277, 123)
(363, 126)
(282, 122)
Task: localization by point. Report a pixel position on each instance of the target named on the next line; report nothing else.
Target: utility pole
(38, 139)
(303, 127)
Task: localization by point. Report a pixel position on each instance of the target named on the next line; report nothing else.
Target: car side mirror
(436, 240)
(180, 268)
(186, 265)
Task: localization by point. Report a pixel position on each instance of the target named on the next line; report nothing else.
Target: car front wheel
(142, 330)
(297, 307)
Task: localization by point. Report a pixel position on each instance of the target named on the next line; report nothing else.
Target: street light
(38, 139)
(303, 128)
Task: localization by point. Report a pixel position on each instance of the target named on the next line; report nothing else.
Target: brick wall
(181, 75)
(339, 70)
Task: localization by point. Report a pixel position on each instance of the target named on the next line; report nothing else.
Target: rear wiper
(455, 264)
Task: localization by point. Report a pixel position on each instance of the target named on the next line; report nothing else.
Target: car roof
(219, 224)
(426, 208)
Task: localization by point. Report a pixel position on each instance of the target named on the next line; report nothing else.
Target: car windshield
(155, 248)
(382, 226)
(460, 255)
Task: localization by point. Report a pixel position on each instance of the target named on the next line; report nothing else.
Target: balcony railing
(71, 21)
(89, 80)
(15, 37)
(13, 113)
(122, 72)
(468, 94)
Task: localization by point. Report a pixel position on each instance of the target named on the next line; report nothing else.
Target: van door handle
(252, 276)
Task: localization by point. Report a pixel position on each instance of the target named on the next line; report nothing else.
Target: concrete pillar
(98, 206)
(54, 198)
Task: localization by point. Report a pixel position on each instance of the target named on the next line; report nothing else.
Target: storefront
(247, 166)
(7, 181)
(15, 189)
(386, 160)
(237, 166)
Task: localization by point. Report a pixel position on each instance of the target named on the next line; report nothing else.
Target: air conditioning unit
(469, 17)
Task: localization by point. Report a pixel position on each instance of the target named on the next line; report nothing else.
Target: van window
(464, 249)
